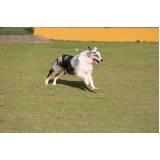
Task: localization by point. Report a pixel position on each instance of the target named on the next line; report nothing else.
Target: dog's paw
(54, 84)
(45, 83)
(94, 90)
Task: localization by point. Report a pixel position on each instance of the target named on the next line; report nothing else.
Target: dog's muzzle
(97, 61)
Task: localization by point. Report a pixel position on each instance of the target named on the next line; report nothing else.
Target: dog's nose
(101, 60)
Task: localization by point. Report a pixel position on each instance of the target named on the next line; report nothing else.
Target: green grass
(15, 30)
(127, 99)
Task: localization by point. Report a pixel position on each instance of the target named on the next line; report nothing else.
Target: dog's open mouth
(95, 61)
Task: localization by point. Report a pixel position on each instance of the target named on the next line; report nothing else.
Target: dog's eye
(96, 55)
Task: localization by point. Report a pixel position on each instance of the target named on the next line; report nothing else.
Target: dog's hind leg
(56, 77)
(48, 76)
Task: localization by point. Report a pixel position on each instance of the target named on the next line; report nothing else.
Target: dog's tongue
(95, 62)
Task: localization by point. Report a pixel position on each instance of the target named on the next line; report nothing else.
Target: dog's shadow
(75, 84)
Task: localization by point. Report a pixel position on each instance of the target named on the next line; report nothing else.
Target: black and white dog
(80, 65)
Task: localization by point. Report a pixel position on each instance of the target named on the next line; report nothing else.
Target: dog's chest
(84, 66)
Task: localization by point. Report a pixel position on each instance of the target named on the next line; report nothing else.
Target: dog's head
(95, 55)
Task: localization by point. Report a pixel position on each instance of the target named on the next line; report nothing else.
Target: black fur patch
(66, 63)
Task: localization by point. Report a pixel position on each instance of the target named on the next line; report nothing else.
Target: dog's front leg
(84, 77)
(91, 82)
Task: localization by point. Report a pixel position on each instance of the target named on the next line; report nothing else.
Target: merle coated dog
(80, 65)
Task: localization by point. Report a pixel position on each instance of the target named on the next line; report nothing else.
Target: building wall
(99, 34)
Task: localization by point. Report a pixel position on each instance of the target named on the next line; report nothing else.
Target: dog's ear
(89, 53)
(89, 48)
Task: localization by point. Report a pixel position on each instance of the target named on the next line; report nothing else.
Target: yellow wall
(100, 34)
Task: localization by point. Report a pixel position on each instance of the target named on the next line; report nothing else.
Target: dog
(80, 65)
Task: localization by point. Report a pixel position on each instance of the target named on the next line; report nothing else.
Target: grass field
(127, 99)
